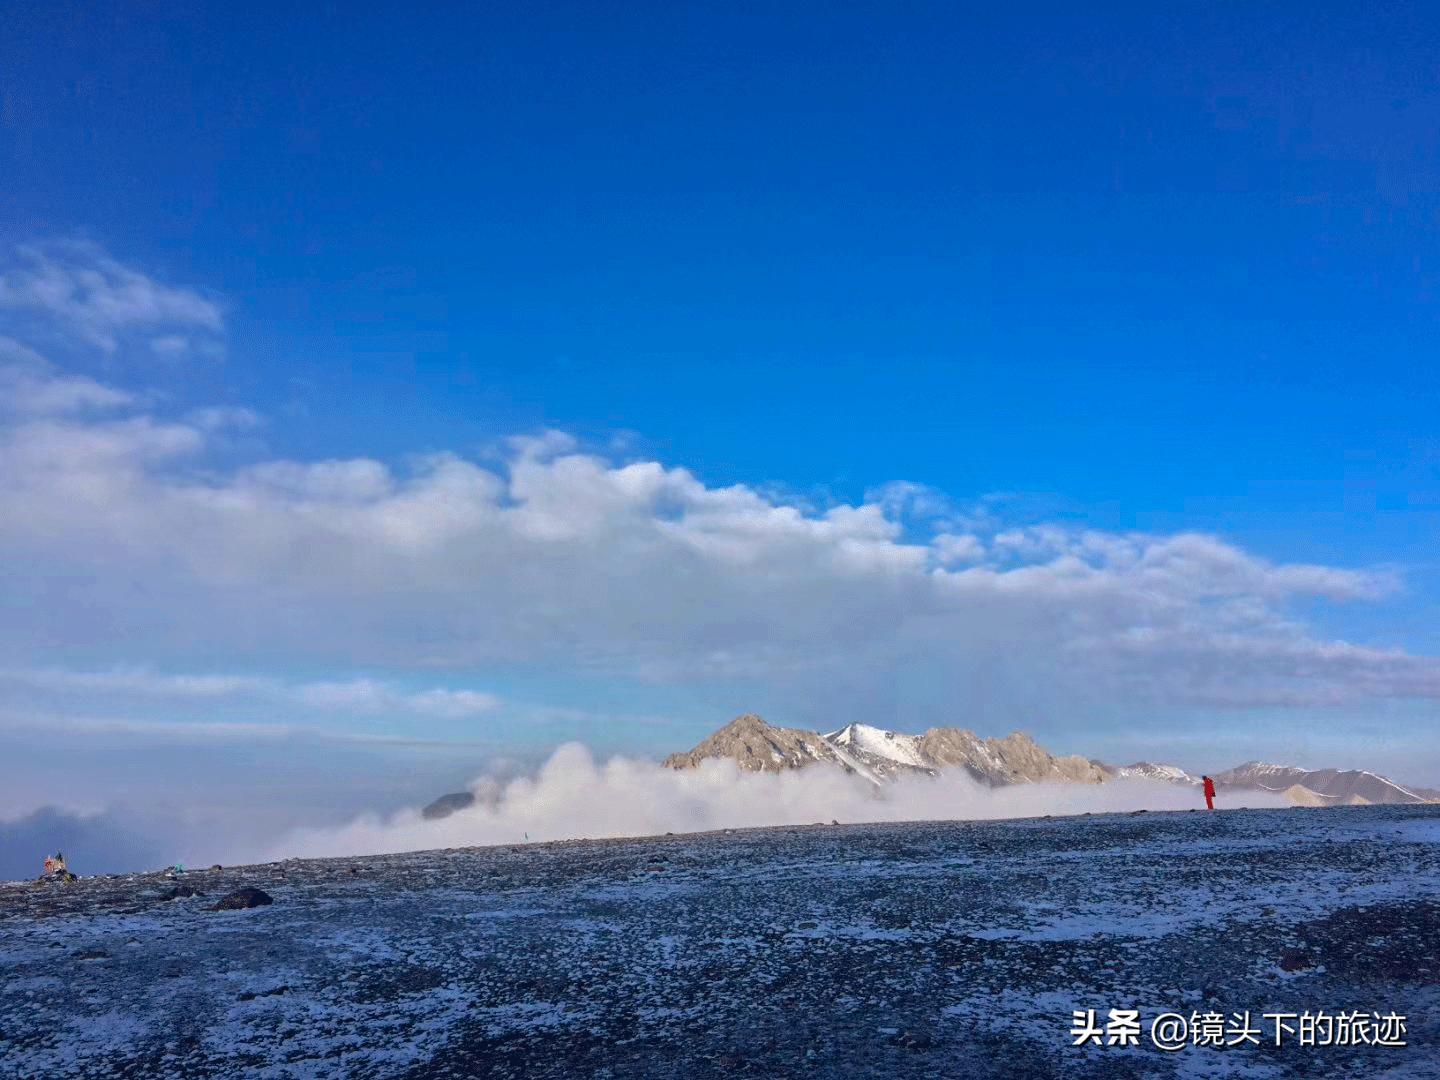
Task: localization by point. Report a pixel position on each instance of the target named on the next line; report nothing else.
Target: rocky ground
(936, 949)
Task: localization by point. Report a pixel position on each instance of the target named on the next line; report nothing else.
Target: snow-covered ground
(931, 949)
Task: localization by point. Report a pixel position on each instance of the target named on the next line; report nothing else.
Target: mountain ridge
(881, 756)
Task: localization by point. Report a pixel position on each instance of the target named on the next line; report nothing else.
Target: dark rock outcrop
(446, 805)
(248, 897)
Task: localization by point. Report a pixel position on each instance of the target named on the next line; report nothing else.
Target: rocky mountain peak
(745, 722)
(880, 755)
(757, 746)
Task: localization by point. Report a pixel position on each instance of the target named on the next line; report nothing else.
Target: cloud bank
(555, 556)
(574, 796)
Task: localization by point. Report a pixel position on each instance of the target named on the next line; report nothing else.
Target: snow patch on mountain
(1149, 770)
(850, 761)
(901, 749)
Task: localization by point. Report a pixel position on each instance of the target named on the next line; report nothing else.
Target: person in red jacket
(1209, 793)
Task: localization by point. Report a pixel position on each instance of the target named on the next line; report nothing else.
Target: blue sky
(1040, 245)
(1159, 271)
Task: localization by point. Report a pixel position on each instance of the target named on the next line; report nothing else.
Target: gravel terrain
(944, 949)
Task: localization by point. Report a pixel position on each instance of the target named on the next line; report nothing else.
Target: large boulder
(449, 804)
(248, 897)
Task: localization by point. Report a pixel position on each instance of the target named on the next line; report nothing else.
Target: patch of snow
(1391, 783)
(893, 746)
(857, 765)
(1149, 771)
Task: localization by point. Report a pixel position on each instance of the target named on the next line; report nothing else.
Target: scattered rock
(1295, 960)
(808, 924)
(90, 954)
(247, 897)
(912, 1040)
(179, 892)
(251, 995)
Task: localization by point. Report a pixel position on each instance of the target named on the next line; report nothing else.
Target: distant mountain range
(1323, 787)
(881, 756)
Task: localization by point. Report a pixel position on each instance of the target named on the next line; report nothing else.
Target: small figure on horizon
(1209, 793)
(55, 868)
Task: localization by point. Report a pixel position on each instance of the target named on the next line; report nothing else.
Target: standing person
(1209, 793)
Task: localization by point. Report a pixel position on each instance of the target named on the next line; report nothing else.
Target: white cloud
(118, 527)
(364, 695)
(953, 549)
(170, 346)
(133, 680)
(637, 569)
(904, 498)
(31, 385)
(83, 292)
(224, 418)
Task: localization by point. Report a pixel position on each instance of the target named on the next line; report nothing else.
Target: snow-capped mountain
(879, 755)
(1331, 787)
(869, 749)
(1149, 770)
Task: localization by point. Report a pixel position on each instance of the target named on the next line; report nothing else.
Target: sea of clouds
(575, 796)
